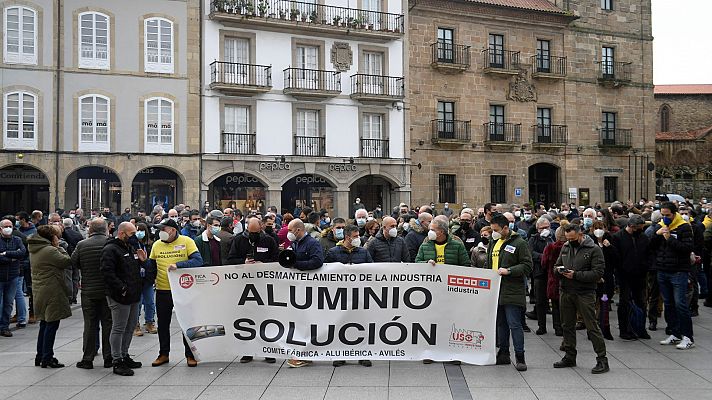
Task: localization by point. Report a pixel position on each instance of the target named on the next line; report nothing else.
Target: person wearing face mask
(348, 250)
(378, 212)
(417, 233)
(268, 226)
(672, 244)
(332, 235)
(12, 250)
(478, 257)
(357, 205)
(605, 289)
(633, 252)
(548, 259)
(441, 247)
(386, 245)
(466, 232)
(508, 254)
(121, 265)
(370, 230)
(209, 243)
(582, 267)
(537, 243)
(589, 215)
(172, 251)
(697, 278)
(360, 219)
(194, 227)
(253, 246)
(148, 278)
(526, 223)
(325, 220)
(447, 211)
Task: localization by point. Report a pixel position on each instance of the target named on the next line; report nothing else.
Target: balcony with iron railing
(614, 73)
(496, 133)
(311, 83)
(312, 146)
(446, 131)
(310, 17)
(237, 78)
(550, 135)
(551, 67)
(239, 143)
(615, 138)
(374, 148)
(504, 62)
(377, 88)
(450, 57)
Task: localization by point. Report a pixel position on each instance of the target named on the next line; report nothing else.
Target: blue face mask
(140, 235)
(339, 233)
(215, 230)
(511, 226)
(17, 224)
(587, 222)
(667, 220)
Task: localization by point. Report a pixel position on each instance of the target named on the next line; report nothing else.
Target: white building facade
(303, 104)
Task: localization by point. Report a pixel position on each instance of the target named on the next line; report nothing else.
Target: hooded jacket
(588, 265)
(327, 240)
(387, 249)
(673, 255)
(515, 256)
(50, 292)
(355, 255)
(122, 272)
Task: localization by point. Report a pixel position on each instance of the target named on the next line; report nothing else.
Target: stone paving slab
(642, 370)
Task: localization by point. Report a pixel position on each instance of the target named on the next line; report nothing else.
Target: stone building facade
(100, 104)
(530, 101)
(683, 143)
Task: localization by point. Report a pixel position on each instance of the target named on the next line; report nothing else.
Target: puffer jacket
(327, 240)
(633, 254)
(414, 238)
(537, 244)
(514, 255)
(50, 292)
(357, 255)
(455, 253)
(673, 255)
(10, 262)
(87, 259)
(122, 272)
(588, 265)
(548, 260)
(387, 250)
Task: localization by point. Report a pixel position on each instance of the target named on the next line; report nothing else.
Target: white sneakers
(672, 339)
(683, 344)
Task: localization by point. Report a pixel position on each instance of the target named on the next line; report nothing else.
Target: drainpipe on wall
(201, 146)
(58, 92)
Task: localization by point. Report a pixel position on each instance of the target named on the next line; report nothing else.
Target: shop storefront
(238, 191)
(373, 191)
(23, 188)
(307, 191)
(93, 188)
(156, 186)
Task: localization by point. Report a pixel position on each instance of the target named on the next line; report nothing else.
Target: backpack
(636, 319)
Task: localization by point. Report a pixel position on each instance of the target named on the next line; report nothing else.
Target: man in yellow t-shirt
(440, 253)
(171, 252)
(495, 254)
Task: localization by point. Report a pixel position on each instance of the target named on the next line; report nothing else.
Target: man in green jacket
(441, 247)
(509, 255)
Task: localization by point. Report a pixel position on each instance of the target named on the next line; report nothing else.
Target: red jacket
(548, 259)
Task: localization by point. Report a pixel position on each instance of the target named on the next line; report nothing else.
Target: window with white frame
(159, 125)
(20, 122)
(308, 123)
(94, 123)
(94, 40)
(20, 45)
(159, 45)
(372, 126)
(236, 137)
(373, 143)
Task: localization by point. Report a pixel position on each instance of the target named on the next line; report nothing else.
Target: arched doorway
(237, 191)
(93, 188)
(307, 191)
(544, 183)
(23, 188)
(373, 190)
(156, 186)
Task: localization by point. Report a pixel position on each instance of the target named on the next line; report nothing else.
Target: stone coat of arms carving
(341, 56)
(520, 89)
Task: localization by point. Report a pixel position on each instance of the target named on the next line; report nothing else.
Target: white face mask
(527, 217)
(72, 216)
(369, 219)
(291, 237)
(406, 227)
(327, 220)
(356, 242)
(496, 235)
(517, 214)
(599, 233)
(163, 235)
(7, 231)
(686, 218)
(239, 228)
(393, 232)
(545, 233)
(432, 235)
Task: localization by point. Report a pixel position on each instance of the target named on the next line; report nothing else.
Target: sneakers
(5, 333)
(151, 328)
(565, 363)
(20, 325)
(162, 359)
(138, 331)
(297, 363)
(120, 368)
(130, 363)
(672, 339)
(85, 364)
(685, 343)
(521, 364)
(601, 366)
(192, 362)
(53, 363)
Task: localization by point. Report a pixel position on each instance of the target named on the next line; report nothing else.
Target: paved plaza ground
(639, 370)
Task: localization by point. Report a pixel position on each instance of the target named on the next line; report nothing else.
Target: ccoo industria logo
(466, 338)
(467, 284)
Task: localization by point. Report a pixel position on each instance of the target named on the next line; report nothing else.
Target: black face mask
(465, 225)
(574, 243)
(269, 229)
(133, 241)
(637, 232)
(254, 236)
(485, 240)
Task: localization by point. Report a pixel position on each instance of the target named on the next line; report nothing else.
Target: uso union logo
(186, 281)
(466, 338)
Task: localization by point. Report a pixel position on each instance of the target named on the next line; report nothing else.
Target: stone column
(341, 204)
(273, 197)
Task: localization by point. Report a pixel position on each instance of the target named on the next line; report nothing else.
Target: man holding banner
(509, 256)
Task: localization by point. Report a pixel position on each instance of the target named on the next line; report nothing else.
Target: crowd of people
(572, 262)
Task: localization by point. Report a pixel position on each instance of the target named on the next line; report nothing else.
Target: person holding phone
(580, 266)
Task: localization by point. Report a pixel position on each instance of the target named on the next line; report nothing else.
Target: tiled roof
(683, 89)
(536, 5)
(690, 135)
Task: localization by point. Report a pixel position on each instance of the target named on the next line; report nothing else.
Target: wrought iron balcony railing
(301, 80)
(229, 76)
(551, 66)
(550, 134)
(314, 146)
(239, 143)
(615, 137)
(495, 132)
(450, 55)
(501, 61)
(375, 87)
(374, 148)
(451, 130)
(614, 71)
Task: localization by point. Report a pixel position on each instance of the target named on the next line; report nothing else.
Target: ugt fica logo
(186, 281)
(467, 338)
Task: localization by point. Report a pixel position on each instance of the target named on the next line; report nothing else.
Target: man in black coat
(632, 249)
(537, 244)
(121, 265)
(253, 246)
(470, 237)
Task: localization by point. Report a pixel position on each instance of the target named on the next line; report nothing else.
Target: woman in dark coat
(605, 290)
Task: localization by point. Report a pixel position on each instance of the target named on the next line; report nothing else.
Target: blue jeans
(509, 319)
(149, 304)
(673, 287)
(45, 340)
(20, 302)
(7, 300)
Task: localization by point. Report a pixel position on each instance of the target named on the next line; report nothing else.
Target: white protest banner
(379, 311)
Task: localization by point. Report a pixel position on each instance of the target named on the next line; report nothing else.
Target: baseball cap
(168, 222)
